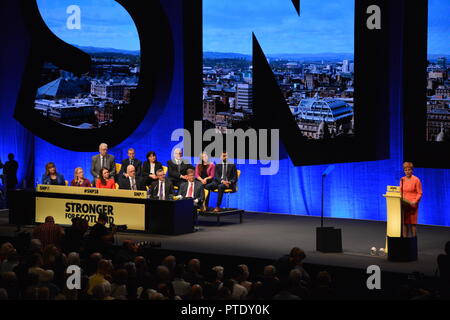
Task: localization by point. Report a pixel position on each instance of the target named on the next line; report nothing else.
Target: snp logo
(374, 280)
(74, 279)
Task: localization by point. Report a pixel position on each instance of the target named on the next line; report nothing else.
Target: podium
(397, 247)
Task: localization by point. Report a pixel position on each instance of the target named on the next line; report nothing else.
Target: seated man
(192, 188)
(225, 177)
(131, 181)
(133, 161)
(177, 168)
(162, 189)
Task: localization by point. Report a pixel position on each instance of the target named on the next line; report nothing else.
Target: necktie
(161, 192)
(224, 171)
(190, 190)
(101, 162)
(132, 162)
(133, 184)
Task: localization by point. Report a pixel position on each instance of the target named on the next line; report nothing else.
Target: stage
(269, 236)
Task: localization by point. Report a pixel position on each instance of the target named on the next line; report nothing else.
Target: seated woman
(204, 171)
(105, 181)
(79, 180)
(150, 167)
(51, 176)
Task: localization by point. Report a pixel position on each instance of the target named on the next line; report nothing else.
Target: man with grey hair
(177, 167)
(131, 181)
(102, 160)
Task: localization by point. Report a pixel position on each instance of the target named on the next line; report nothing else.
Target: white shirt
(133, 183)
(152, 168)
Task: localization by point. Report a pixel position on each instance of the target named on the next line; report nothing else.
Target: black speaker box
(328, 239)
(402, 249)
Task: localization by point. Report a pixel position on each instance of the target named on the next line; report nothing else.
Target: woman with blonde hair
(411, 193)
(79, 180)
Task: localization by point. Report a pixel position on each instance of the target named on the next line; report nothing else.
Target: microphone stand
(322, 209)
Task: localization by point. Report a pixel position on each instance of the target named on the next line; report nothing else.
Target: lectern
(397, 247)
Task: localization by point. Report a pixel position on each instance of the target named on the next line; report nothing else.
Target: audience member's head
(194, 266)
(73, 259)
(270, 271)
(170, 262)
(297, 255)
(323, 279)
(104, 267)
(49, 220)
(6, 249)
(35, 246)
(196, 292)
(220, 270)
(162, 273)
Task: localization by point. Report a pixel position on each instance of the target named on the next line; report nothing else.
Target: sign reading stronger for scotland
(64, 210)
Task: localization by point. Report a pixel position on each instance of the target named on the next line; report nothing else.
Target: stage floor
(269, 236)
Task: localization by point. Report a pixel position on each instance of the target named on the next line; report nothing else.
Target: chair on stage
(66, 182)
(116, 186)
(165, 169)
(118, 167)
(230, 190)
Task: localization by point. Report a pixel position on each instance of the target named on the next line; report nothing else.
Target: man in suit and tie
(131, 181)
(161, 189)
(192, 189)
(225, 177)
(103, 160)
(177, 168)
(131, 160)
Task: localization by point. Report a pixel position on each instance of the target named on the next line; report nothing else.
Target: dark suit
(198, 193)
(136, 163)
(124, 183)
(168, 190)
(10, 172)
(146, 171)
(108, 163)
(175, 171)
(230, 175)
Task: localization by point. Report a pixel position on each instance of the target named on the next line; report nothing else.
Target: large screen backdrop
(352, 190)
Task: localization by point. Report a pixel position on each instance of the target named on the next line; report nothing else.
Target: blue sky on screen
(439, 27)
(104, 23)
(323, 26)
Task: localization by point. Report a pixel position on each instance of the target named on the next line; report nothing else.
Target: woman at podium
(411, 192)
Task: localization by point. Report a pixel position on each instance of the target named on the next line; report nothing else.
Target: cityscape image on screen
(438, 84)
(105, 31)
(311, 56)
